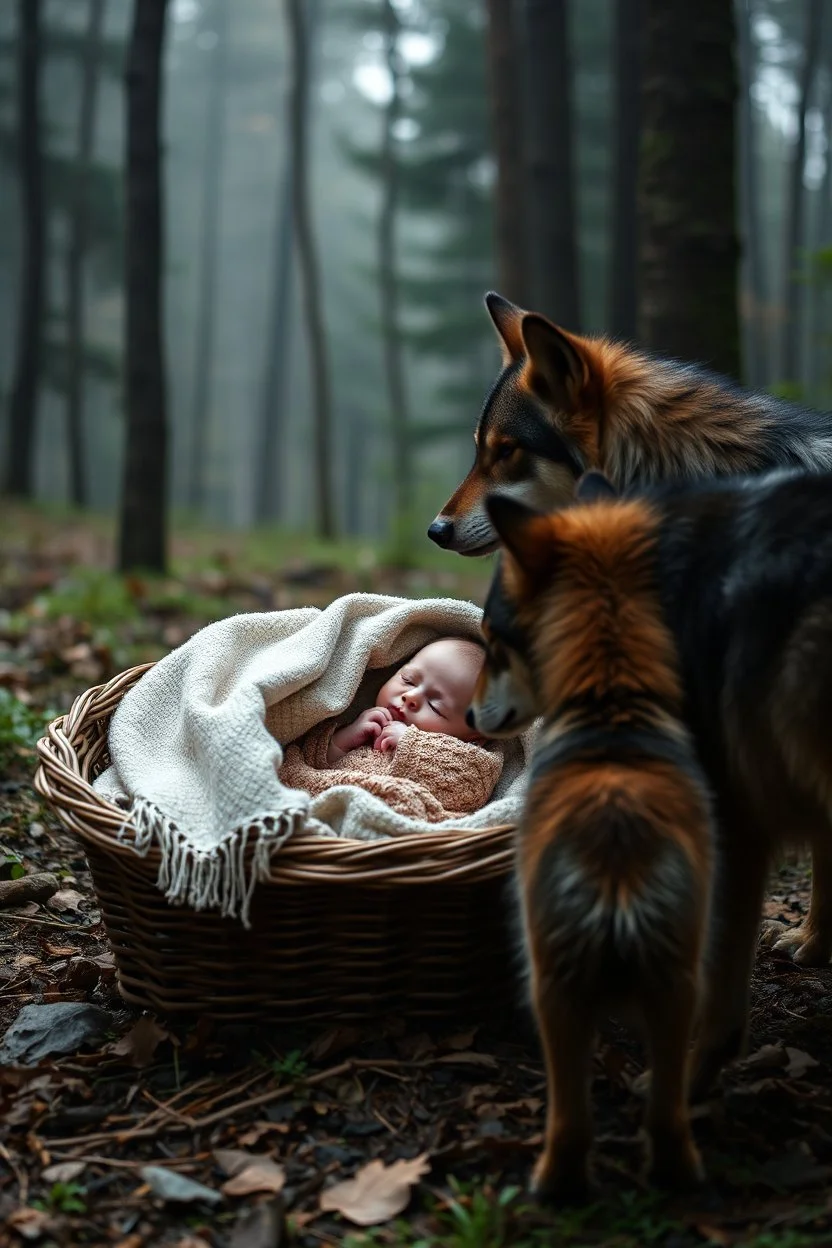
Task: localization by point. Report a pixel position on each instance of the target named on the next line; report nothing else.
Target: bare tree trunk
(307, 255)
(388, 279)
(507, 128)
(551, 171)
(819, 290)
(76, 255)
(266, 467)
(627, 38)
(794, 209)
(208, 257)
(754, 273)
(23, 406)
(142, 536)
(689, 252)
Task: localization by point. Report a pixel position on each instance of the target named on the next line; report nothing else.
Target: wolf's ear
(556, 369)
(506, 317)
(594, 487)
(526, 534)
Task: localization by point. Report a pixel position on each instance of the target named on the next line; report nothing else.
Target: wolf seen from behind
(613, 857)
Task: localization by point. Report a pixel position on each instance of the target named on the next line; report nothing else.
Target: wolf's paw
(560, 1184)
(676, 1167)
(805, 945)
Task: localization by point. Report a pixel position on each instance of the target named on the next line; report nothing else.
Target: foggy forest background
(404, 111)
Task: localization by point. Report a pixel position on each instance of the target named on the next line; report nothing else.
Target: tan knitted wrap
(429, 775)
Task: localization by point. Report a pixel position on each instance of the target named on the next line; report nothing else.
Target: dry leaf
(63, 1172)
(233, 1160)
(65, 899)
(799, 1062)
(140, 1043)
(377, 1193)
(263, 1175)
(29, 1223)
(59, 951)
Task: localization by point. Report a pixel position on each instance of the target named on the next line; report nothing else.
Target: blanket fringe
(217, 880)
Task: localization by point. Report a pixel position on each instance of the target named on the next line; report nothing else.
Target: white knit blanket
(195, 744)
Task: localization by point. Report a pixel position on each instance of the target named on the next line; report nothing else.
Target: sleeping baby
(413, 749)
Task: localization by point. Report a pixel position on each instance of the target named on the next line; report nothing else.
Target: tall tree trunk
(299, 27)
(208, 258)
(507, 128)
(267, 492)
(76, 254)
(142, 536)
(819, 338)
(754, 274)
(792, 295)
(388, 279)
(689, 252)
(551, 170)
(24, 396)
(627, 39)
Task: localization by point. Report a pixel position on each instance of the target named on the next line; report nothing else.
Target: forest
(244, 254)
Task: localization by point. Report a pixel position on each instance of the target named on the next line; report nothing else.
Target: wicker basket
(341, 929)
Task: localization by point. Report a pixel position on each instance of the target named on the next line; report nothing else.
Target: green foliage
(64, 1198)
(100, 598)
(20, 728)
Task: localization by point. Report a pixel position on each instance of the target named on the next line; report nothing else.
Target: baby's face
(434, 689)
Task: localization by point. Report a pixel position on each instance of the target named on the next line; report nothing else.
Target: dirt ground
(95, 1145)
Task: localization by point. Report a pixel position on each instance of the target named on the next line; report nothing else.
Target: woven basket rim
(74, 741)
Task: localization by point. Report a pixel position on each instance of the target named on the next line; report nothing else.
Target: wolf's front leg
(735, 919)
(810, 943)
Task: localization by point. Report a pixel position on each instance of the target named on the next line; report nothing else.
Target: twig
(21, 1175)
(118, 1163)
(264, 1098)
(65, 927)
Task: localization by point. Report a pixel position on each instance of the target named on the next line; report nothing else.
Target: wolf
(564, 404)
(744, 575)
(614, 851)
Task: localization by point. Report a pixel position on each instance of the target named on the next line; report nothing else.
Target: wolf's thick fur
(614, 852)
(564, 404)
(745, 574)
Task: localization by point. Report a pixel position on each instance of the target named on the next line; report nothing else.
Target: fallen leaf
(139, 1044)
(65, 899)
(263, 1175)
(768, 1055)
(63, 1172)
(59, 951)
(377, 1193)
(168, 1185)
(30, 1223)
(799, 1062)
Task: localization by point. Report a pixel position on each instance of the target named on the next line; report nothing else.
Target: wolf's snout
(442, 532)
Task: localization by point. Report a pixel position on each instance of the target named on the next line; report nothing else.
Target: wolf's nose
(469, 717)
(442, 532)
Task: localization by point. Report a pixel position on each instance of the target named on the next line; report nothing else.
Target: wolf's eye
(505, 450)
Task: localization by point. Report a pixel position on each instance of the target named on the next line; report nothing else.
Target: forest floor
(97, 1146)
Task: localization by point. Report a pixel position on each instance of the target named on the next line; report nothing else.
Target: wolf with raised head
(564, 404)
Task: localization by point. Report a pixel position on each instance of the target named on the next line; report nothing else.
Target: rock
(36, 887)
(61, 1027)
(168, 1185)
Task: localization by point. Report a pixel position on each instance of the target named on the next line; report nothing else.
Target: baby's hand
(390, 737)
(367, 728)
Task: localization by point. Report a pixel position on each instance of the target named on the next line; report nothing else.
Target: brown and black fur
(744, 572)
(613, 857)
(564, 404)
